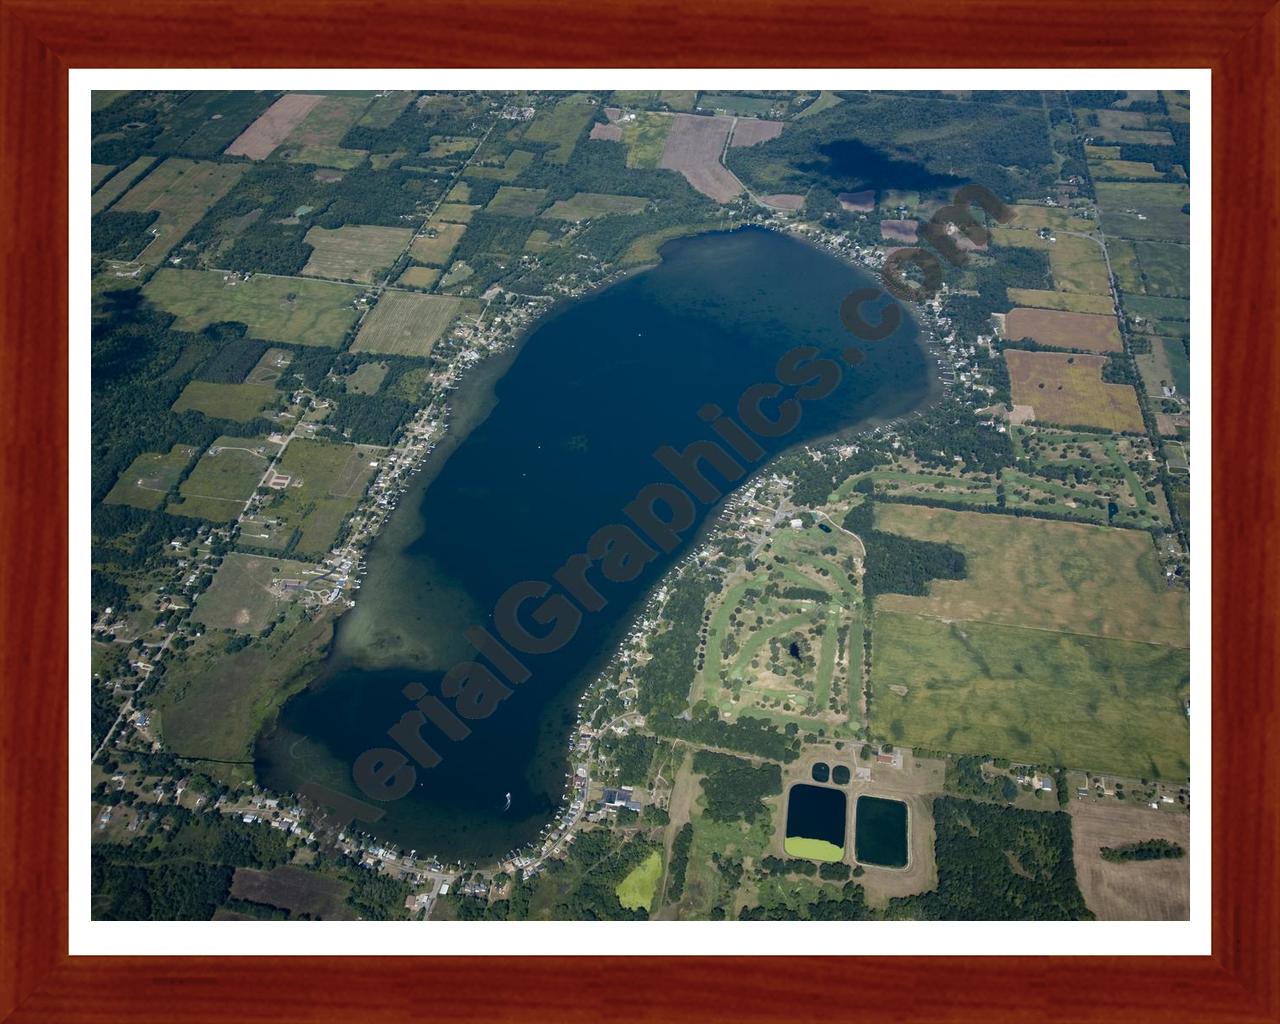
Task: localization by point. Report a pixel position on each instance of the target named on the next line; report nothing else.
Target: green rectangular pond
(880, 832)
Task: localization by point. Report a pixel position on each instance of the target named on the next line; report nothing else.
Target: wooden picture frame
(42, 39)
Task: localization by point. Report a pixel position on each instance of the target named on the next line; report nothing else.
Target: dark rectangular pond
(815, 823)
(880, 832)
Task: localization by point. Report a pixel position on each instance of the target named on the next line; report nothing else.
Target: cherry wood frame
(41, 39)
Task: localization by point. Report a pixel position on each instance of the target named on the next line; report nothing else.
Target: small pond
(815, 823)
(880, 832)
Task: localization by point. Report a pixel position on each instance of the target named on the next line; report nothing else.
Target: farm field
(1153, 890)
(1166, 268)
(1145, 212)
(273, 308)
(457, 213)
(436, 244)
(316, 138)
(419, 277)
(150, 477)
(516, 202)
(1058, 329)
(384, 109)
(181, 191)
(1157, 307)
(584, 205)
(1031, 695)
(735, 104)
(1123, 169)
(1077, 264)
(1045, 575)
(752, 131)
(679, 100)
(273, 126)
(1125, 266)
(1032, 217)
(561, 124)
(241, 402)
(248, 592)
(515, 163)
(354, 252)
(406, 323)
(1069, 390)
(646, 138)
(224, 478)
(116, 186)
(1166, 363)
(98, 173)
(295, 890)
(693, 147)
(1071, 302)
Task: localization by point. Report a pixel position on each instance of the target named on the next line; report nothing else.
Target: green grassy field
(1077, 264)
(639, 888)
(150, 477)
(224, 478)
(516, 202)
(561, 124)
(1145, 211)
(1031, 695)
(675, 99)
(355, 252)
(1043, 574)
(241, 402)
(316, 138)
(594, 204)
(456, 213)
(407, 323)
(242, 598)
(274, 309)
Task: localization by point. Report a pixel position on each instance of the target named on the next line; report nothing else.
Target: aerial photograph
(639, 505)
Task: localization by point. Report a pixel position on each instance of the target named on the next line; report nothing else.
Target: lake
(546, 446)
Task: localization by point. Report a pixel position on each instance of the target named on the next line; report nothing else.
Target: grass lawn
(1031, 695)
(246, 593)
(273, 308)
(150, 477)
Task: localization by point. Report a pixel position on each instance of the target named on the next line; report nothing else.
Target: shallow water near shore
(547, 445)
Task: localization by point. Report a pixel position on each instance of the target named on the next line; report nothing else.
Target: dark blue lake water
(549, 447)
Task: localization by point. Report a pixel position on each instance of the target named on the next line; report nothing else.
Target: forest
(998, 863)
(735, 789)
